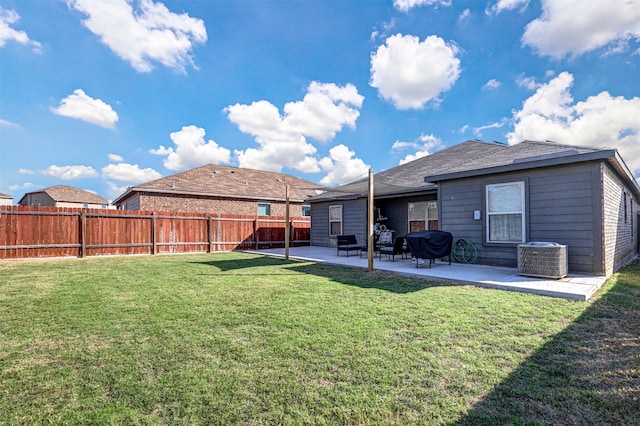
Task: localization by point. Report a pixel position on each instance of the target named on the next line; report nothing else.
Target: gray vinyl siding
(562, 204)
(354, 221)
(397, 211)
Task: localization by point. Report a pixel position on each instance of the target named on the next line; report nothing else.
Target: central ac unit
(543, 259)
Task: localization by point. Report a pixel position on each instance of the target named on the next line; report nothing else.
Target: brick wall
(620, 216)
(183, 203)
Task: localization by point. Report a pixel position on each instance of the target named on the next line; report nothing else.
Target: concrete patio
(572, 287)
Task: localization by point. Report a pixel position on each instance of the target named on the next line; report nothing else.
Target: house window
(505, 213)
(423, 215)
(264, 209)
(306, 210)
(335, 220)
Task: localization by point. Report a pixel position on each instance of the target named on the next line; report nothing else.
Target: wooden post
(256, 238)
(209, 239)
(219, 234)
(153, 233)
(287, 231)
(83, 233)
(370, 224)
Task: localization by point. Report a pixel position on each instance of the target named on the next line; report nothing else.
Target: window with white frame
(335, 220)
(423, 215)
(505, 213)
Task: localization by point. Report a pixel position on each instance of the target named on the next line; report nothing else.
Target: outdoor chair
(396, 248)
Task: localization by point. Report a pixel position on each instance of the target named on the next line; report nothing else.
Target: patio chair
(396, 248)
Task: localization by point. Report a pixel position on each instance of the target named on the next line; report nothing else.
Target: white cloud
(25, 171)
(24, 186)
(126, 172)
(8, 17)
(574, 27)
(341, 167)
(114, 190)
(503, 5)
(601, 121)
(70, 172)
(384, 29)
(425, 145)
(405, 5)
(141, 37)
(282, 138)
(116, 158)
(192, 150)
(7, 123)
(492, 84)
(411, 73)
(527, 82)
(477, 131)
(95, 111)
(466, 14)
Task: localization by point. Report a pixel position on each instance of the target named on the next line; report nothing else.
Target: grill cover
(429, 244)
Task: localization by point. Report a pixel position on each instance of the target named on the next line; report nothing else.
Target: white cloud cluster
(341, 166)
(411, 73)
(601, 121)
(191, 150)
(95, 111)
(573, 27)
(131, 173)
(425, 145)
(503, 5)
(70, 172)
(492, 84)
(405, 5)
(282, 138)
(7, 18)
(150, 34)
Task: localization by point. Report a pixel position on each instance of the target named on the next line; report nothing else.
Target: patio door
(423, 215)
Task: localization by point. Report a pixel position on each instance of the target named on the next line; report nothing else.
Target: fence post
(209, 239)
(153, 233)
(219, 234)
(83, 233)
(256, 238)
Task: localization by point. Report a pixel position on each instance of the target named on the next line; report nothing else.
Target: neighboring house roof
(69, 194)
(5, 196)
(228, 182)
(473, 158)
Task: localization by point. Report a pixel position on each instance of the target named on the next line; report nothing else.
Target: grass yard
(233, 338)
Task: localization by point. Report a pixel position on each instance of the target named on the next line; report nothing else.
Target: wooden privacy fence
(27, 231)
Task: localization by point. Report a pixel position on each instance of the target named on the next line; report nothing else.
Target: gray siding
(562, 205)
(354, 221)
(397, 211)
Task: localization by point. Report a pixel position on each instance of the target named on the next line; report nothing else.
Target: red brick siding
(183, 203)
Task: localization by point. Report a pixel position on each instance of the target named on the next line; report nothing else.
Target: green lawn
(233, 338)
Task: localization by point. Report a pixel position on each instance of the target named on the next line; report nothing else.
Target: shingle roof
(464, 157)
(523, 152)
(233, 182)
(69, 194)
(409, 177)
(2, 195)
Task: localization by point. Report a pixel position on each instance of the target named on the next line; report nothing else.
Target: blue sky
(101, 95)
